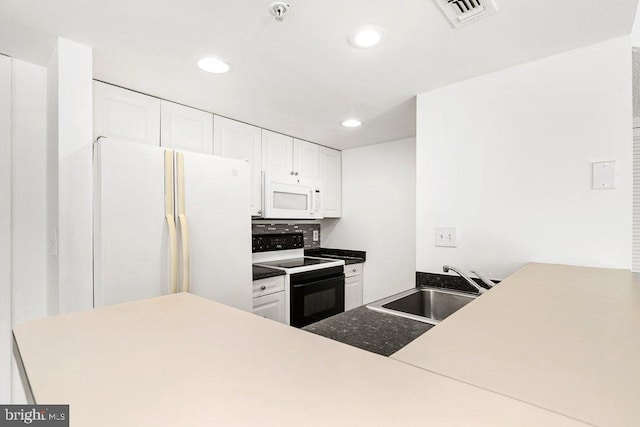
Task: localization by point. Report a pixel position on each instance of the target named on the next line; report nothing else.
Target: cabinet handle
(260, 212)
(263, 287)
(292, 172)
(354, 270)
(296, 174)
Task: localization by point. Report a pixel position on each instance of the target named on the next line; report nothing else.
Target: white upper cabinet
(306, 159)
(237, 140)
(277, 152)
(185, 128)
(124, 114)
(287, 155)
(331, 165)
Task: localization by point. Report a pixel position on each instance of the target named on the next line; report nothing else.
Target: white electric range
(314, 287)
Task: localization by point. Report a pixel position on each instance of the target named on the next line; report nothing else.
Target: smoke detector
(464, 12)
(279, 10)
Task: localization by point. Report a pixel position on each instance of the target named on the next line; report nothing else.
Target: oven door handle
(319, 281)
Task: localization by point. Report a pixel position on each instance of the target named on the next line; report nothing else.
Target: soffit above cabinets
(300, 76)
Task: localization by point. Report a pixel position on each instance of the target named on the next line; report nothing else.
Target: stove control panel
(276, 242)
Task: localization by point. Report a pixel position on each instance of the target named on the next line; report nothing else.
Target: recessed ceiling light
(213, 65)
(367, 36)
(351, 123)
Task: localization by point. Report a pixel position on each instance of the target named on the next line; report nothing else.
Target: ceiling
(300, 77)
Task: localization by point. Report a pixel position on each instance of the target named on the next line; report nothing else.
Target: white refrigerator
(168, 221)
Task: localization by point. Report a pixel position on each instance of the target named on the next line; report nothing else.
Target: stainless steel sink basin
(428, 305)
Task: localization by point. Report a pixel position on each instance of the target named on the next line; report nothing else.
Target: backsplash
(306, 229)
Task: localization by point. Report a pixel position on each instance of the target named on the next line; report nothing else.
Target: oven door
(316, 295)
(290, 197)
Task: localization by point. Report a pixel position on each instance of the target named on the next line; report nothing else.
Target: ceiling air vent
(463, 12)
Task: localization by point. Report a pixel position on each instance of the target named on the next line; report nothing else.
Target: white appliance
(314, 287)
(291, 197)
(167, 221)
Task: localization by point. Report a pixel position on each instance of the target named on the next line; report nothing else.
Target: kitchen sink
(428, 305)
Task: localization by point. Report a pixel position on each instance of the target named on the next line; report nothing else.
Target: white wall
(506, 158)
(52, 183)
(635, 29)
(378, 215)
(71, 119)
(28, 199)
(5, 228)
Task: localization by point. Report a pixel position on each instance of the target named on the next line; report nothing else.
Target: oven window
(318, 302)
(290, 201)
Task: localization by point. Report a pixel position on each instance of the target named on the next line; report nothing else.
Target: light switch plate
(446, 237)
(604, 175)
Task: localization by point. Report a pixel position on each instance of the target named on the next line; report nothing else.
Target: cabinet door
(306, 159)
(277, 152)
(352, 292)
(124, 114)
(237, 140)
(331, 161)
(270, 306)
(185, 128)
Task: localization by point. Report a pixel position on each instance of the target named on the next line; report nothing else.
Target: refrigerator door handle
(173, 251)
(171, 222)
(182, 218)
(184, 231)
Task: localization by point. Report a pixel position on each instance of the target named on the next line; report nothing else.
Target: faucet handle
(486, 281)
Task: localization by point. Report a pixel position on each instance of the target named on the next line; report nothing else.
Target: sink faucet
(469, 280)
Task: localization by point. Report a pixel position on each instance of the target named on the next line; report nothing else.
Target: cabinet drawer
(352, 270)
(270, 306)
(268, 286)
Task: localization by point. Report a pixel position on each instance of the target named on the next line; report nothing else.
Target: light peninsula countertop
(563, 338)
(182, 360)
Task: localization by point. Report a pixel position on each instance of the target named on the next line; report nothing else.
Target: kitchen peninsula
(182, 359)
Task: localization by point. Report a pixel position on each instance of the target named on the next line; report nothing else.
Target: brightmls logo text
(36, 415)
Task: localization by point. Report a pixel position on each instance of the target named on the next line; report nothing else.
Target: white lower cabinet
(268, 298)
(270, 306)
(353, 285)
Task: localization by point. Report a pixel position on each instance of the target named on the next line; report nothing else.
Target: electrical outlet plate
(604, 175)
(316, 235)
(446, 237)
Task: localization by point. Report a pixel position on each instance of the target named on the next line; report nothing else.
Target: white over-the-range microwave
(291, 197)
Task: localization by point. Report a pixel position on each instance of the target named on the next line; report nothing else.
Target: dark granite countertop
(349, 256)
(370, 330)
(265, 272)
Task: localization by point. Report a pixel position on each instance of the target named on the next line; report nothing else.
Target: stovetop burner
(296, 262)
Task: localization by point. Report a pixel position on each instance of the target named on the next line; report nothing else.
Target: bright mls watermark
(36, 415)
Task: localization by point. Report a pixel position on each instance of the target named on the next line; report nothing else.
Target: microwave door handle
(313, 200)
